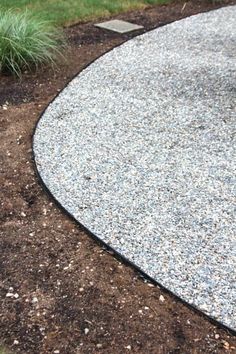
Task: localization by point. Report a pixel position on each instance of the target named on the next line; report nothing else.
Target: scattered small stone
(99, 346)
(16, 342)
(56, 351)
(19, 140)
(225, 344)
(128, 347)
(150, 285)
(34, 300)
(217, 336)
(161, 298)
(86, 331)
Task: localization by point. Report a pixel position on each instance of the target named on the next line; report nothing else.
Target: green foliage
(26, 41)
(70, 11)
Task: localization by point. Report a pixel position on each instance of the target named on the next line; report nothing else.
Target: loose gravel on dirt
(140, 149)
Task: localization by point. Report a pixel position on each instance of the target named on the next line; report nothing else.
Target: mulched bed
(70, 295)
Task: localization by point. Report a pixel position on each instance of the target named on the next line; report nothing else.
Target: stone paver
(119, 26)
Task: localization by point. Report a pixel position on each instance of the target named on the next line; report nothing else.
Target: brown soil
(70, 294)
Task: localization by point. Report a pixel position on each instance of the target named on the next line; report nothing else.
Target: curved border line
(100, 242)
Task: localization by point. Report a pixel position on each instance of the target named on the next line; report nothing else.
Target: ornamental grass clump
(27, 42)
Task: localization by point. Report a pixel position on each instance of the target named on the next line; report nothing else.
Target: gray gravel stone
(140, 148)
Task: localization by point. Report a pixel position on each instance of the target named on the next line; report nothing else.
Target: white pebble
(161, 298)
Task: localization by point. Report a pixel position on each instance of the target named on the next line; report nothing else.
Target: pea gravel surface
(140, 149)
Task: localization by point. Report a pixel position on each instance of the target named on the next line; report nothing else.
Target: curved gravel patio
(140, 149)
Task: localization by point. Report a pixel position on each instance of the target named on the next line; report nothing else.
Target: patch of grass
(26, 41)
(64, 12)
(3, 351)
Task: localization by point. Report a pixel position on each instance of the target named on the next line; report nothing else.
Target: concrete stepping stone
(141, 149)
(119, 26)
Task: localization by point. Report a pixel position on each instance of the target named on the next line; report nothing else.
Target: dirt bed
(60, 291)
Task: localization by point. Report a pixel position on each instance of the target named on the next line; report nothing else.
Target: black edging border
(100, 242)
